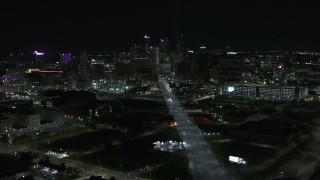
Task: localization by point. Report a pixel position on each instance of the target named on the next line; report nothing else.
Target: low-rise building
(28, 120)
(5, 124)
(254, 91)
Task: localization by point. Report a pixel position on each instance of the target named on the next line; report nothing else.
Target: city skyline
(117, 26)
(171, 89)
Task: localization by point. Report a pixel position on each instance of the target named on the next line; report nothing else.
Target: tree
(69, 170)
(4, 138)
(25, 158)
(46, 159)
(43, 135)
(63, 167)
(22, 139)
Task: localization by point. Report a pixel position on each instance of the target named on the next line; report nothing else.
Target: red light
(172, 124)
(51, 71)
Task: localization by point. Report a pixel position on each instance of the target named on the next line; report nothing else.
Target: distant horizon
(101, 50)
(117, 25)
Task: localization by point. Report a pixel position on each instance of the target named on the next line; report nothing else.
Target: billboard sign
(238, 160)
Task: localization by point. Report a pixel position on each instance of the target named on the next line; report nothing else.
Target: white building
(255, 91)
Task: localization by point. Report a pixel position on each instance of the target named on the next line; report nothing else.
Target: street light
(237, 160)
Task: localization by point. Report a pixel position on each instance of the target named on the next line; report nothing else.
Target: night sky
(116, 25)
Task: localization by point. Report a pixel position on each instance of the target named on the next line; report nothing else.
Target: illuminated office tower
(164, 50)
(65, 58)
(147, 41)
(39, 56)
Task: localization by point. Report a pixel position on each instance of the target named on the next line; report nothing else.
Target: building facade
(254, 91)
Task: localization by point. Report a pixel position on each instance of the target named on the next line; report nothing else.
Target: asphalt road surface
(202, 162)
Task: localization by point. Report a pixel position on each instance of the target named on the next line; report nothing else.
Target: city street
(202, 163)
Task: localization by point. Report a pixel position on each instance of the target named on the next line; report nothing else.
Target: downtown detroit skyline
(161, 90)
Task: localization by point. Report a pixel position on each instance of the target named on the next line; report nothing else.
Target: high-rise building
(39, 56)
(84, 66)
(164, 46)
(65, 58)
(147, 41)
(83, 57)
(13, 59)
(181, 47)
(230, 69)
(164, 51)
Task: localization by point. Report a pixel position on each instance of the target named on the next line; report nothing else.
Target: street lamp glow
(38, 53)
(146, 37)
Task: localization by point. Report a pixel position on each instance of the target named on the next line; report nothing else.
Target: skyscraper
(230, 69)
(65, 58)
(164, 50)
(83, 57)
(181, 47)
(39, 56)
(147, 41)
(84, 66)
(164, 46)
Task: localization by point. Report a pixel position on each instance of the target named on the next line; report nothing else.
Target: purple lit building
(39, 56)
(65, 58)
